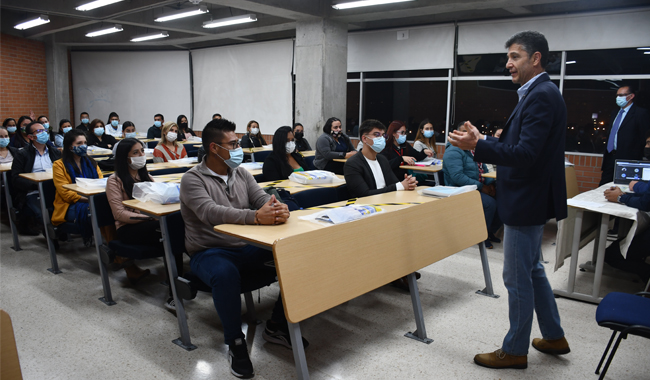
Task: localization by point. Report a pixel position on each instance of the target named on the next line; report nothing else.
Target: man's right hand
(409, 183)
(273, 212)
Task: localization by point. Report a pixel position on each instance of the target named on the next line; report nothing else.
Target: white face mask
(255, 131)
(171, 136)
(291, 146)
(138, 162)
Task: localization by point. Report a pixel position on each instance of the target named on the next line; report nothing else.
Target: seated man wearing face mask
(216, 192)
(154, 131)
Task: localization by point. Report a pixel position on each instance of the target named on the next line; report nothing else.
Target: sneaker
(170, 304)
(488, 244)
(278, 333)
(240, 362)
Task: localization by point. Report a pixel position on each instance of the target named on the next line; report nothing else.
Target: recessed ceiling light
(32, 22)
(570, 62)
(96, 4)
(150, 36)
(643, 48)
(113, 29)
(230, 21)
(647, 52)
(365, 3)
(183, 13)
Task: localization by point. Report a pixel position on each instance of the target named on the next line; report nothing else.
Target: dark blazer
(275, 168)
(252, 141)
(359, 178)
(24, 163)
(395, 154)
(530, 158)
(631, 135)
(108, 141)
(302, 145)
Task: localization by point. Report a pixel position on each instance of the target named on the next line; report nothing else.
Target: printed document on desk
(446, 191)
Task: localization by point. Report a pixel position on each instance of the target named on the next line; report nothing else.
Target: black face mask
(299, 135)
(183, 126)
(646, 153)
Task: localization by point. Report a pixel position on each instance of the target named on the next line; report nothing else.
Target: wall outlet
(403, 35)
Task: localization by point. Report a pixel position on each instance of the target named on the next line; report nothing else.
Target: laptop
(626, 171)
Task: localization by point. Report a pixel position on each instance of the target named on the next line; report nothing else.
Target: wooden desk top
(38, 177)
(153, 209)
(490, 175)
(340, 160)
(82, 190)
(423, 169)
(5, 167)
(259, 149)
(291, 184)
(169, 165)
(308, 153)
(10, 368)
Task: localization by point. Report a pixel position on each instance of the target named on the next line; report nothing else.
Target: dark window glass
(407, 74)
(354, 75)
(591, 109)
(410, 102)
(495, 64)
(352, 109)
(606, 62)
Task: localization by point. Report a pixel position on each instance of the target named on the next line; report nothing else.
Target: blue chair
(259, 177)
(624, 313)
(316, 197)
(152, 144)
(261, 156)
(310, 162)
(54, 231)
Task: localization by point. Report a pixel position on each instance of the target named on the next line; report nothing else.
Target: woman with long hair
(253, 137)
(7, 152)
(302, 144)
(333, 144)
(74, 163)
(97, 135)
(10, 124)
(284, 159)
(168, 148)
(184, 130)
(398, 151)
(425, 140)
(20, 139)
(65, 126)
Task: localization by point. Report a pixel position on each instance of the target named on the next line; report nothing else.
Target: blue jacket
(460, 169)
(641, 197)
(530, 158)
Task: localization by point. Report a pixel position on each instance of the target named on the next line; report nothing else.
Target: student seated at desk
(34, 158)
(332, 144)
(217, 192)
(169, 149)
(11, 126)
(21, 139)
(154, 131)
(398, 151)
(253, 137)
(113, 126)
(7, 152)
(133, 227)
(184, 130)
(302, 145)
(425, 140)
(74, 163)
(65, 126)
(284, 159)
(84, 117)
(97, 137)
(460, 170)
(128, 132)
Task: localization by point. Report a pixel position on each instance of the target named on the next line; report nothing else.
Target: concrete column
(321, 59)
(58, 89)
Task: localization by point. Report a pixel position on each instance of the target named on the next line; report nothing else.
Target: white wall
(136, 85)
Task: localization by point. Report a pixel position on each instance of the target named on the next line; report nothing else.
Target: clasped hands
(273, 212)
(613, 193)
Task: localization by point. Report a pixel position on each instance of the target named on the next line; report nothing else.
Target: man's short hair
(28, 128)
(532, 42)
(159, 115)
(630, 87)
(84, 113)
(215, 115)
(457, 127)
(369, 125)
(215, 130)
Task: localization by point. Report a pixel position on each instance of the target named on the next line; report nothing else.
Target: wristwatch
(619, 198)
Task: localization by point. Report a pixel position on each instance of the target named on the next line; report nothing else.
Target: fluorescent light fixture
(230, 21)
(150, 36)
(183, 13)
(32, 22)
(113, 29)
(96, 4)
(365, 3)
(647, 52)
(644, 48)
(570, 62)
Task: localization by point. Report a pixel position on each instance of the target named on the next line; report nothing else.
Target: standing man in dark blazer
(530, 177)
(626, 138)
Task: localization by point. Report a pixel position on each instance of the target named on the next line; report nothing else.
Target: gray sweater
(326, 149)
(207, 201)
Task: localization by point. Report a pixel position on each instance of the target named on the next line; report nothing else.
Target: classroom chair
(316, 197)
(55, 232)
(259, 177)
(152, 144)
(261, 155)
(310, 162)
(12, 212)
(169, 171)
(626, 314)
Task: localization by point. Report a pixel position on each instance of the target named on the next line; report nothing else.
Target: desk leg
(252, 156)
(46, 221)
(436, 178)
(184, 341)
(298, 351)
(420, 333)
(103, 273)
(10, 205)
(488, 291)
(600, 258)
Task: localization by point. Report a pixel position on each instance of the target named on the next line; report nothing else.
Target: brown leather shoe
(499, 359)
(552, 347)
(135, 273)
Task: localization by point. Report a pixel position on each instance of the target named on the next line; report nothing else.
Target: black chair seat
(136, 252)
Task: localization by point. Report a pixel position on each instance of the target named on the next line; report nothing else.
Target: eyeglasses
(38, 131)
(375, 135)
(231, 144)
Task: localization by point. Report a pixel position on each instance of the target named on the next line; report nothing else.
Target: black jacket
(276, 168)
(83, 127)
(252, 141)
(24, 163)
(631, 134)
(108, 141)
(395, 154)
(154, 132)
(359, 178)
(302, 145)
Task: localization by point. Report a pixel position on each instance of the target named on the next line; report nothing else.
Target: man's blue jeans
(528, 289)
(220, 268)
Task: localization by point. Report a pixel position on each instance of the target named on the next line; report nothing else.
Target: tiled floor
(64, 332)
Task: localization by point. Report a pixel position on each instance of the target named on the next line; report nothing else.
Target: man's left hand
(465, 140)
(613, 193)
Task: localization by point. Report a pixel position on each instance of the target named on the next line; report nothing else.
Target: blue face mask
(67, 129)
(85, 121)
(157, 123)
(42, 137)
(621, 101)
(428, 134)
(4, 142)
(46, 125)
(80, 150)
(11, 129)
(236, 158)
(378, 144)
(401, 139)
(115, 123)
(99, 131)
(129, 135)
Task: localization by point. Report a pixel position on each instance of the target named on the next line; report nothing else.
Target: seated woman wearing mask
(7, 152)
(10, 125)
(97, 137)
(425, 140)
(302, 144)
(398, 151)
(184, 131)
(331, 145)
(128, 132)
(169, 149)
(65, 126)
(74, 163)
(284, 159)
(253, 138)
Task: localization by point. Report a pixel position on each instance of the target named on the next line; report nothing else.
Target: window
(352, 109)
(608, 62)
(495, 64)
(407, 74)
